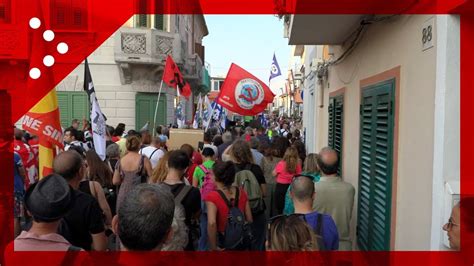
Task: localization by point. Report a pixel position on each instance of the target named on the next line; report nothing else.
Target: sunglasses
(450, 224)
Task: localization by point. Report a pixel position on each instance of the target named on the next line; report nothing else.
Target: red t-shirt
(222, 209)
(283, 176)
(190, 172)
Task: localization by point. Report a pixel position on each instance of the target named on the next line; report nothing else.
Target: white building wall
(384, 46)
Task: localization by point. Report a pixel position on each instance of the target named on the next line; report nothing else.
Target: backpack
(246, 180)
(318, 231)
(208, 184)
(237, 234)
(179, 227)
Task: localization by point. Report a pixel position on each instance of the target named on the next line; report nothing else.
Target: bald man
(83, 226)
(302, 193)
(334, 196)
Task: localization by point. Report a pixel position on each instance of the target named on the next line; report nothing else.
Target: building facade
(127, 72)
(386, 96)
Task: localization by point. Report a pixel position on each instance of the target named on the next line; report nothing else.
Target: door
(145, 104)
(375, 166)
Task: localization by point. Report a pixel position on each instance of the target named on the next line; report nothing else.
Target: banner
(43, 120)
(172, 76)
(97, 117)
(243, 93)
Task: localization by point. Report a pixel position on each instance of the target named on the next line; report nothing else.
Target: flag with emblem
(43, 120)
(275, 70)
(97, 117)
(173, 78)
(243, 93)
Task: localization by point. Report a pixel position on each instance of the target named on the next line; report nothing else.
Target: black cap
(49, 199)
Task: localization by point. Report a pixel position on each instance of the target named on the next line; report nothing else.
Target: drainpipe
(321, 92)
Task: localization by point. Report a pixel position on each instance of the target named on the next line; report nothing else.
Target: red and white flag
(243, 93)
(172, 76)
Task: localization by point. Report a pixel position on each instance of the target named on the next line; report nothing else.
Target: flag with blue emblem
(275, 69)
(219, 117)
(207, 109)
(180, 117)
(264, 121)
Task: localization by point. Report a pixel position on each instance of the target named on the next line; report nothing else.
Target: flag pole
(156, 108)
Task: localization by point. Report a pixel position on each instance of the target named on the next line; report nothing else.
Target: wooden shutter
(5, 11)
(159, 22)
(145, 104)
(68, 14)
(72, 105)
(65, 109)
(375, 167)
(335, 127)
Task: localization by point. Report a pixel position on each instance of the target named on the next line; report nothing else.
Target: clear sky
(247, 40)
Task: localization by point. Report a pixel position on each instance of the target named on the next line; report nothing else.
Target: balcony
(320, 29)
(146, 46)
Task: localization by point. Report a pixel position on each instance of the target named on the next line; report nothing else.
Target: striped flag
(43, 120)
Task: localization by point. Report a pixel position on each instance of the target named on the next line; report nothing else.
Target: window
(142, 21)
(5, 11)
(72, 105)
(375, 167)
(335, 127)
(68, 15)
(159, 22)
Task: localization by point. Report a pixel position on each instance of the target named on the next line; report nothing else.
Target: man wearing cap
(47, 201)
(83, 225)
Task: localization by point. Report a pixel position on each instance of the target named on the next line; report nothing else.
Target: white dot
(35, 23)
(48, 60)
(35, 73)
(62, 48)
(48, 35)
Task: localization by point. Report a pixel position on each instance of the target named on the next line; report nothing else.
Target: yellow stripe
(46, 157)
(47, 104)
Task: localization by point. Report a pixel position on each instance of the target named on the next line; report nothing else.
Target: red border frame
(122, 9)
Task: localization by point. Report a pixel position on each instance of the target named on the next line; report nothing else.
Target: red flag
(172, 76)
(243, 93)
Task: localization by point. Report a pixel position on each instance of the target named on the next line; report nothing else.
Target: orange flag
(43, 120)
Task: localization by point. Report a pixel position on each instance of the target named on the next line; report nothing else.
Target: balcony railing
(147, 46)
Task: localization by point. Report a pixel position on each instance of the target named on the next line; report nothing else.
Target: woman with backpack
(271, 158)
(284, 172)
(225, 202)
(249, 176)
(132, 169)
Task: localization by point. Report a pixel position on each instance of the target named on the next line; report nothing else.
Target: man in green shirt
(208, 162)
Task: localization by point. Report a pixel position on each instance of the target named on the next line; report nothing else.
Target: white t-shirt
(212, 147)
(153, 154)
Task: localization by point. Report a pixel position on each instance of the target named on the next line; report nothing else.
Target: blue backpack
(237, 234)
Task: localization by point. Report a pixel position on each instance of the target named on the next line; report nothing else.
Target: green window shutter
(145, 104)
(72, 105)
(141, 20)
(335, 127)
(159, 22)
(65, 110)
(375, 169)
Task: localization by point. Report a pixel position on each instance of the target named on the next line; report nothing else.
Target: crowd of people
(249, 188)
